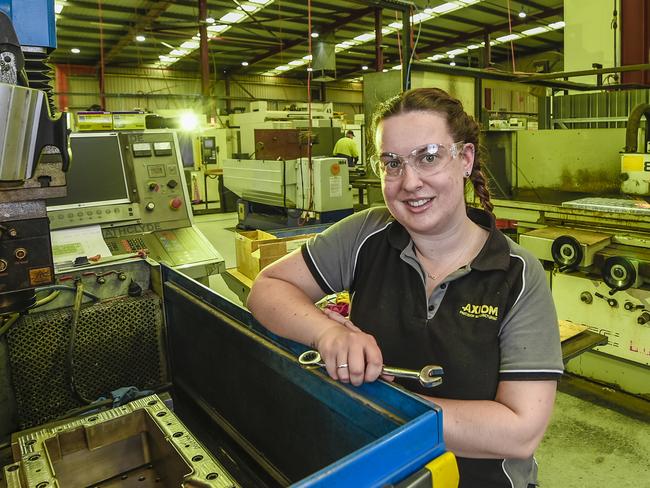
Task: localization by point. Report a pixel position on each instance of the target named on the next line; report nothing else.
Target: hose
(76, 312)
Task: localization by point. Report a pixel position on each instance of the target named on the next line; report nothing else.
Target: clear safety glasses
(427, 160)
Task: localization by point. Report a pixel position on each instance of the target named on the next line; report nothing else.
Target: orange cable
(512, 45)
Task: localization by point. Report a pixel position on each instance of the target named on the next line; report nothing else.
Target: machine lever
(429, 376)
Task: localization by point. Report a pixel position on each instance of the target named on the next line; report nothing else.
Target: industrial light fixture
(140, 38)
(315, 34)
(226, 21)
(453, 63)
(244, 63)
(75, 50)
(364, 68)
(522, 13)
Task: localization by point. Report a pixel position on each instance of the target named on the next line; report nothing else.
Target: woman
(433, 282)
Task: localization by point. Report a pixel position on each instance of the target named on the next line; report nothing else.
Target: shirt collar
(495, 253)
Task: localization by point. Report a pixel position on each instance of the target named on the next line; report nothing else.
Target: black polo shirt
(492, 320)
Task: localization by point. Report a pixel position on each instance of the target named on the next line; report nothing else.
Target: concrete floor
(586, 445)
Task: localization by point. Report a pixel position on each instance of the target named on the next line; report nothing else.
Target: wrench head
(429, 376)
(309, 358)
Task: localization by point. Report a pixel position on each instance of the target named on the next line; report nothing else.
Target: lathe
(580, 204)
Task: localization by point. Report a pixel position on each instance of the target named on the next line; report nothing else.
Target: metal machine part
(26, 127)
(142, 443)
(566, 252)
(428, 376)
(620, 273)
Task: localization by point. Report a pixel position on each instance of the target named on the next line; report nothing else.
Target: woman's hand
(346, 344)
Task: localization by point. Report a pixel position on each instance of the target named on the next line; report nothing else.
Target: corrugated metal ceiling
(278, 33)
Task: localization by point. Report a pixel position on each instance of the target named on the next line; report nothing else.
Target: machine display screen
(96, 175)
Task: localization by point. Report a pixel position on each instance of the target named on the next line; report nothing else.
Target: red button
(176, 203)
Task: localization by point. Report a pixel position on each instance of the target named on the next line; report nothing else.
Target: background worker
(433, 282)
(346, 148)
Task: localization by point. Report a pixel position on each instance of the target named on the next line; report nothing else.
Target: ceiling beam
(142, 24)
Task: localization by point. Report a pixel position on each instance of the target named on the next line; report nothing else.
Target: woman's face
(424, 204)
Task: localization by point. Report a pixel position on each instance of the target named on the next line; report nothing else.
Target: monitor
(96, 175)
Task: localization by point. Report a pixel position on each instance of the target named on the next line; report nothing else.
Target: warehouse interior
(155, 156)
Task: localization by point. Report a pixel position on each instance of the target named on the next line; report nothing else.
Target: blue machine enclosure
(311, 430)
(33, 20)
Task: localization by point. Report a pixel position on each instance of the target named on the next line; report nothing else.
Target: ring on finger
(341, 366)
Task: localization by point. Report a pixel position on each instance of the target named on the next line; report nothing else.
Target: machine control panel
(153, 158)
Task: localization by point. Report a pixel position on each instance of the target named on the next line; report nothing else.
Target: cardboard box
(246, 242)
(268, 252)
(254, 250)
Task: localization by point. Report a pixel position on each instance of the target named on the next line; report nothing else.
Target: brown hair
(462, 126)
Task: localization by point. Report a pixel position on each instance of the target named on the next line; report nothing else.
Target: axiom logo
(480, 311)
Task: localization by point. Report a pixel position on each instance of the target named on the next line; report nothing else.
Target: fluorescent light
(509, 37)
(75, 50)
(454, 52)
(522, 14)
(557, 25)
(534, 31)
(166, 44)
(297, 62)
(386, 31)
(445, 7)
(473, 46)
(453, 63)
(385, 70)
(283, 68)
(232, 17)
(140, 38)
(307, 58)
(190, 45)
(315, 34)
(178, 52)
(436, 57)
(269, 73)
(167, 59)
(218, 28)
(416, 19)
(244, 63)
(397, 66)
(247, 7)
(395, 25)
(261, 2)
(469, 2)
(365, 37)
(364, 68)
(210, 20)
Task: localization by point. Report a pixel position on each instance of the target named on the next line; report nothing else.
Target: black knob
(644, 318)
(629, 306)
(612, 302)
(172, 183)
(586, 297)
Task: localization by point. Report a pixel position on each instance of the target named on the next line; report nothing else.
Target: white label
(336, 186)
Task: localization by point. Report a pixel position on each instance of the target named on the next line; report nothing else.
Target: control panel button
(3, 265)
(172, 183)
(20, 253)
(153, 186)
(150, 206)
(175, 203)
